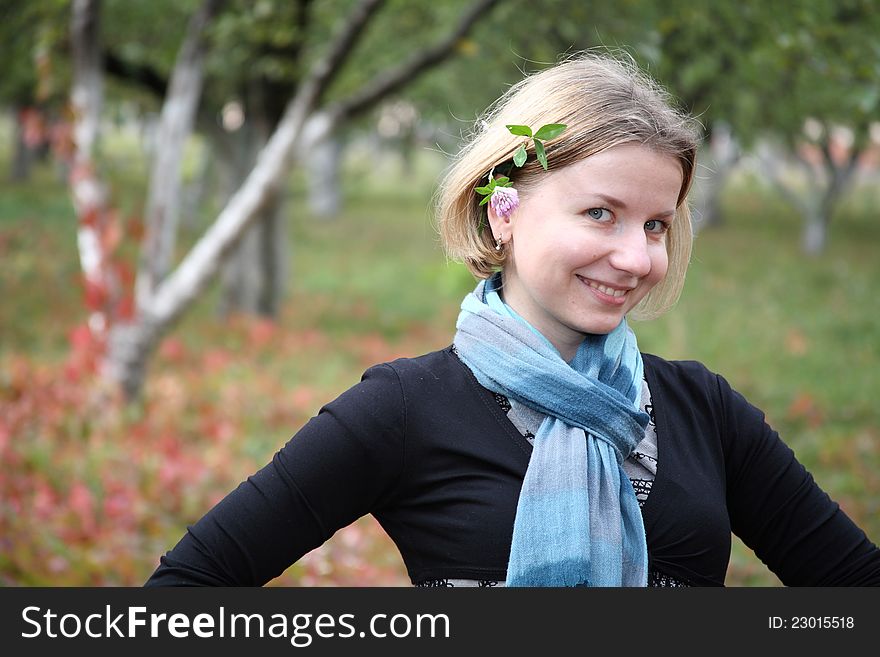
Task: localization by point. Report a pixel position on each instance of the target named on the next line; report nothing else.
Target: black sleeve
(779, 511)
(343, 464)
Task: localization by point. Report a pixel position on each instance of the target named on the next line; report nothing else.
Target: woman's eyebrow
(616, 202)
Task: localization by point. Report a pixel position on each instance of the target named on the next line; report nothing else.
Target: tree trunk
(254, 276)
(175, 126)
(87, 191)
(815, 236)
(839, 175)
(244, 277)
(721, 160)
(806, 198)
(324, 179)
(202, 192)
(232, 159)
(275, 255)
(22, 155)
(129, 348)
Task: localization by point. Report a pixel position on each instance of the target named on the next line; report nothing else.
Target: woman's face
(588, 242)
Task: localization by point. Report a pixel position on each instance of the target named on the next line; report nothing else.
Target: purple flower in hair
(499, 192)
(504, 201)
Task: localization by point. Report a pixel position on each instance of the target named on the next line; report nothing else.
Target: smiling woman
(542, 447)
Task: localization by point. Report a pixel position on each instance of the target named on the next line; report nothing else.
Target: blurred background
(214, 215)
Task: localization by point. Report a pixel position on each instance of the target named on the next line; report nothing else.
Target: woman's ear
(501, 225)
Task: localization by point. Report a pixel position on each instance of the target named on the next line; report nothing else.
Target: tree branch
(327, 69)
(387, 83)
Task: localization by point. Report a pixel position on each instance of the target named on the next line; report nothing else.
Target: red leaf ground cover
(92, 491)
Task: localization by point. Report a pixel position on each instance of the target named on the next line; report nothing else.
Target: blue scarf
(577, 520)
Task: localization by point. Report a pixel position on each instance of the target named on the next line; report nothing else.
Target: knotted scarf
(577, 520)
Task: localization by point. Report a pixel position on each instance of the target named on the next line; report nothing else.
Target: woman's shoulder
(688, 381)
(682, 370)
(692, 383)
(437, 378)
(389, 391)
(432, 366)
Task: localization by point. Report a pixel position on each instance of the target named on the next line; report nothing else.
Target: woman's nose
(630, 253)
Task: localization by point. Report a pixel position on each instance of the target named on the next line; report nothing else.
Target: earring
(498, 243)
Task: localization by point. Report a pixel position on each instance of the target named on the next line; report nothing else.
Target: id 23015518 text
(811, 623)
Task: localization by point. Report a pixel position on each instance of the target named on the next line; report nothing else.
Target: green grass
(797, 336)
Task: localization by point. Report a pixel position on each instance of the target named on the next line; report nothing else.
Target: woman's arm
(779, 511)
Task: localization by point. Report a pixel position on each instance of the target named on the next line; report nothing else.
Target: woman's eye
(656, 226)
(599, 214)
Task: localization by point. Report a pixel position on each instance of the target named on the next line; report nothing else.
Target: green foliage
(764, 71)
(544, 133)
(501, 181)
(259, 41)
(32, 37)
(540, 153)
(550, 131)
(518, 37)
(146, 33)
(746, 62)
(520, 130)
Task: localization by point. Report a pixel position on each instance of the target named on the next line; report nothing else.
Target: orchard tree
(826, 68)
(310, 114)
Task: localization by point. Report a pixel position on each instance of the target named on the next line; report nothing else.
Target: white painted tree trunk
(88, 193)
(176, 121)
(815, 235)
(721, 157)
(323, 169)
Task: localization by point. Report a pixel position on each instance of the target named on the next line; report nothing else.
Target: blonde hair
(605, 101)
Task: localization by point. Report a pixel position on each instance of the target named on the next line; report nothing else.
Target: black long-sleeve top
(427, 450)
